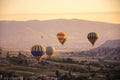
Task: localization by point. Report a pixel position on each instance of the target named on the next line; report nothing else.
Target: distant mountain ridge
(28, 33)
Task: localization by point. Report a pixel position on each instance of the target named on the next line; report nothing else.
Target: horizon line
(67, 13)
(61, 19)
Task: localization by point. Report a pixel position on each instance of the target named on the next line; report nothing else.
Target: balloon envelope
(50, 51)
(38, 51)
(61, 37)
(92, 37)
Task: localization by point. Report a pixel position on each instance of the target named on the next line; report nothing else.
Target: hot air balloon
(61, 37)
(92, 37)
(42, 37)
(38, 51)
(50, 51)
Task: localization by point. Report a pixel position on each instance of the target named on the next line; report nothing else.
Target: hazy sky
(97, 10)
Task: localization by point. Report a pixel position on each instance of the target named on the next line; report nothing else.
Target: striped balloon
(38, 51)
(92, 37)
(61, 37)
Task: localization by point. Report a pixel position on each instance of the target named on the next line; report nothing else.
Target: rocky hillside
(110, 48)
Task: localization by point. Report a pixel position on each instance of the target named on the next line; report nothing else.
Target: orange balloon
(61, 37)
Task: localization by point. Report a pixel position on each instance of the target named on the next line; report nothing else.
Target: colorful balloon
(38, 51)
(50, 51)
(61, 37)
(92, 37)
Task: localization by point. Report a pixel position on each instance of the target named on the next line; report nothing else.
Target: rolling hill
(24, 34)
